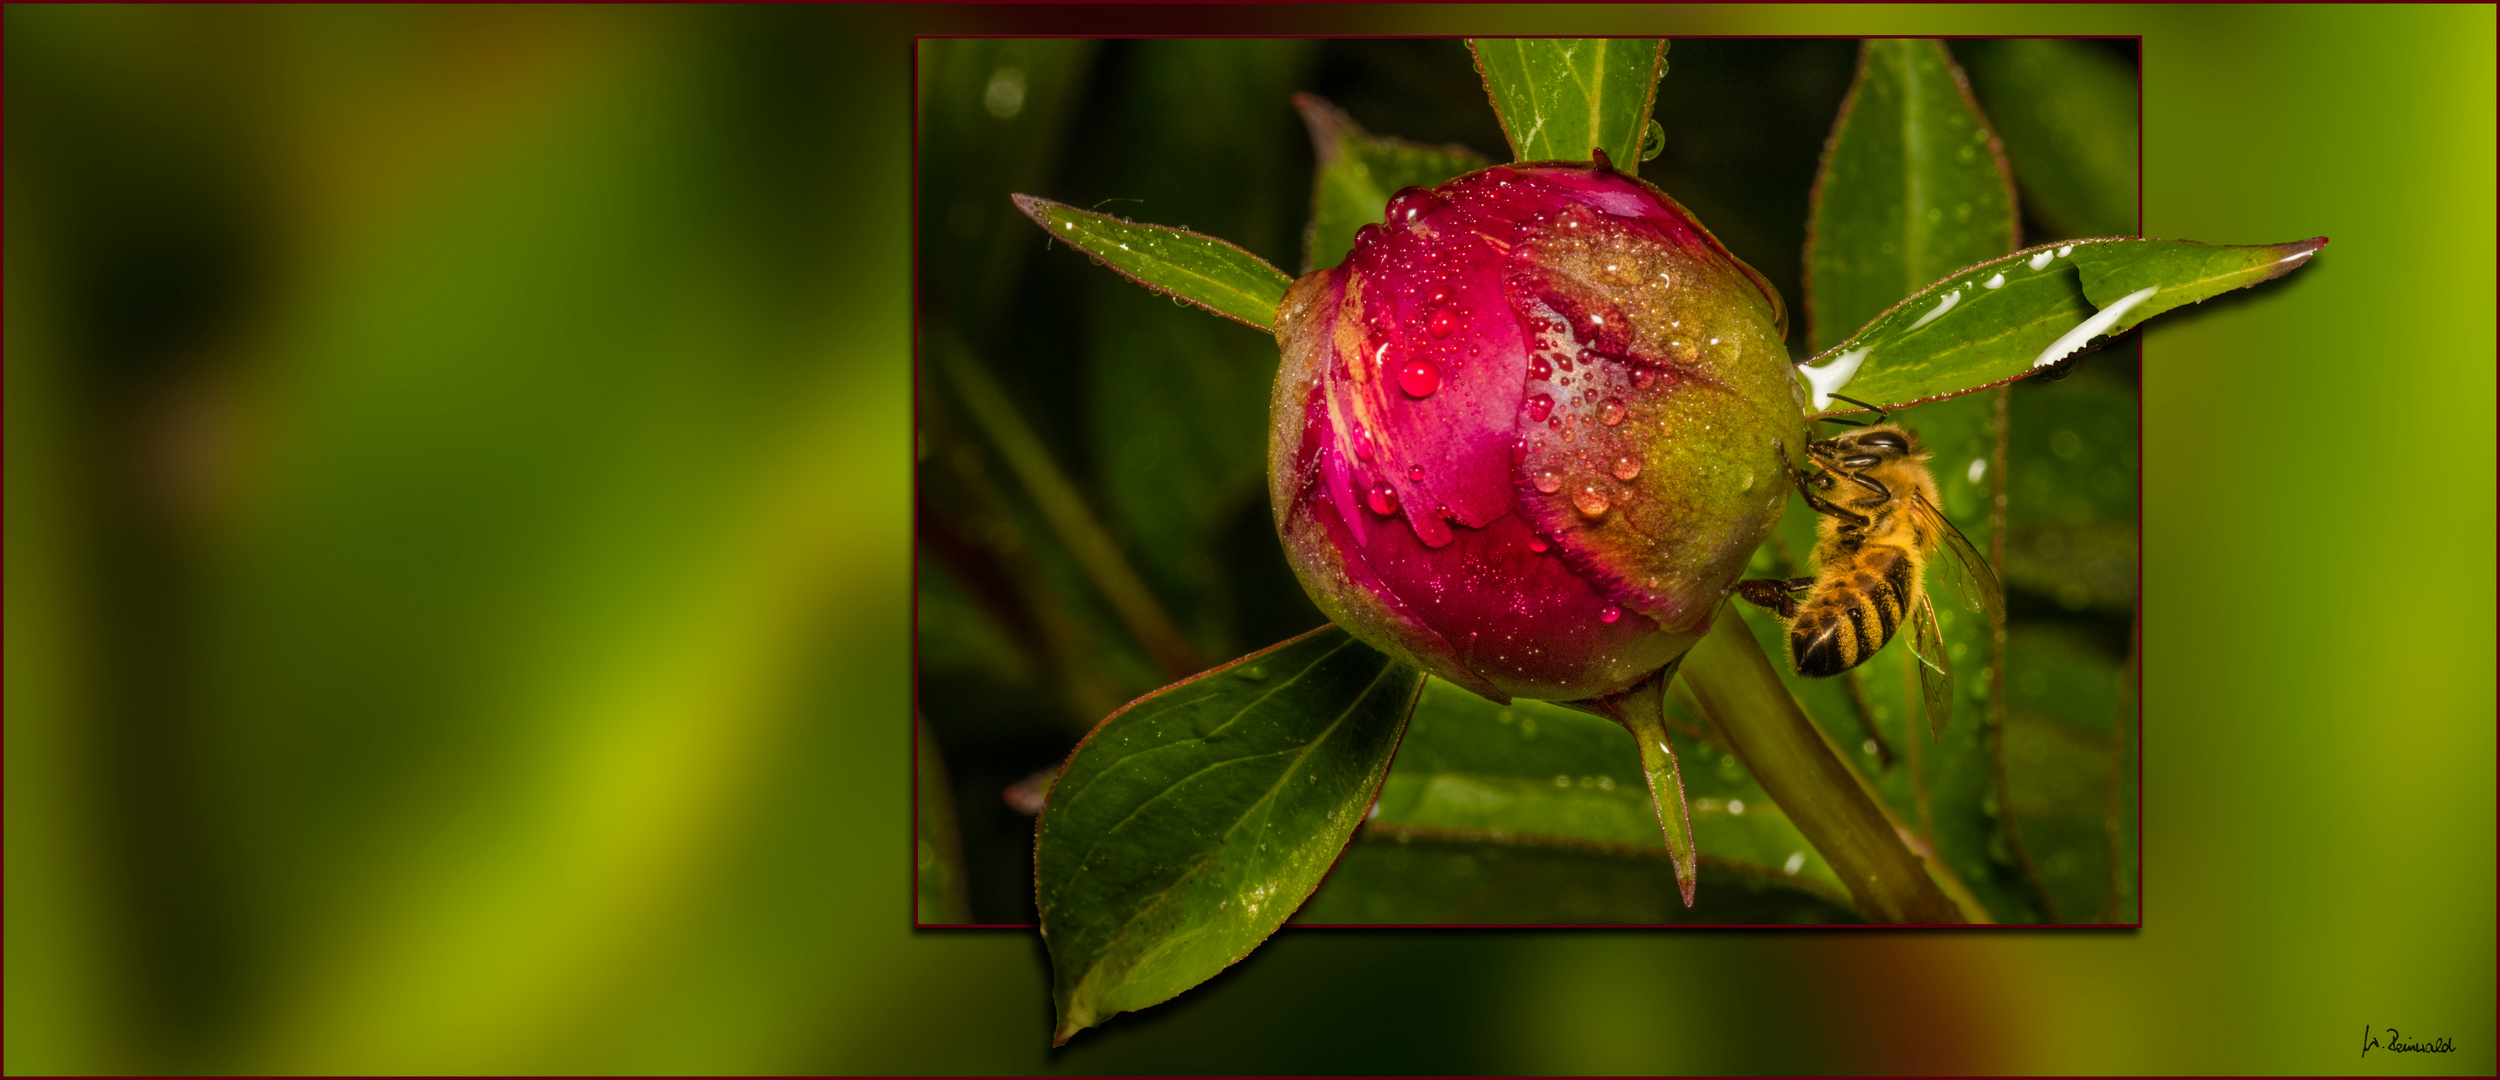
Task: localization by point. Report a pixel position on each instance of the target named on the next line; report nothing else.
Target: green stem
(1788, 755)
(1642, 709)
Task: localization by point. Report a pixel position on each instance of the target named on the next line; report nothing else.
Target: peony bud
(1526, 436)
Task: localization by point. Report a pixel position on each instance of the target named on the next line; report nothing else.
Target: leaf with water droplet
(1154, 827)
(2058, 302)
(1467, 778)
(1561, 99)
(1203, 270)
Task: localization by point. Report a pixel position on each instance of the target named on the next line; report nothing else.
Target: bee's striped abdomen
(1853, 611)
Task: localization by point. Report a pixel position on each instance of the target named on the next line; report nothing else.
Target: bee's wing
(1973, 581)
(1935, 670)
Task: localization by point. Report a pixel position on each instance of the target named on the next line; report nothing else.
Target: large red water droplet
(1539, 368)
(1611, 413)
(1362, 442)
(1420, 377)
(1609, 613)
(1383, 499)
(1442, 323)
(1540, 406)
(1642, 377)
(1416, 474)
(1535, 542)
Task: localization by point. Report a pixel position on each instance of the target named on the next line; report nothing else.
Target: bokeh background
(458, 578)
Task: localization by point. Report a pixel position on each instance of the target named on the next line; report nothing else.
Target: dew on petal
(1642, 378)
(1383, 499)
(1536, 543)
(1591, 501)
(1548, 481)
(1362, 442)
(1627, 467)
(1539, 368)
(1611, 413)
(1416, 474)
(1442, 323)
(1609, 613)
(1419, 378)
(1540, 406)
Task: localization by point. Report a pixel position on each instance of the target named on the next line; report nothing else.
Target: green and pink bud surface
(1527, 435)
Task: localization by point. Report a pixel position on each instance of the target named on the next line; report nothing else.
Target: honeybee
(1879, 530)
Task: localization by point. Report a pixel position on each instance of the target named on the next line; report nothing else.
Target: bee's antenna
(1880, 412)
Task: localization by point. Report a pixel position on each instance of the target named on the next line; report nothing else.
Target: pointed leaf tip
(1203, 270)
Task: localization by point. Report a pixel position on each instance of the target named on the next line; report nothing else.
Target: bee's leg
(1828, 508)
(1772, 595)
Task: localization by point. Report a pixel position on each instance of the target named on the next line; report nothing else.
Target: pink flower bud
(1525, 437)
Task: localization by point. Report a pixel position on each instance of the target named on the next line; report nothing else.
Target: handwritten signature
(2395, 1043)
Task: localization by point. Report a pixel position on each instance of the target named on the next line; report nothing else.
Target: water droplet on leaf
(1653, 141)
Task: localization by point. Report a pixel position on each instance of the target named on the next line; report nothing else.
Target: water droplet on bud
(1536, 543)
(1409, 204)
(1540, 406)
(1416, 474)
(1627, 467)
(1548, 481)
(1419, 378)
(1609, 613)
(1610, 413)
(1442, 323)
(1538, 368)
(1591, 501)
(1362, 442)
(1642, 378)
(1383, 499)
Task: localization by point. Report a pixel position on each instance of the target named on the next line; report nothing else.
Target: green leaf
(1357, 173)
(1913, 184)
(1191, 823)
(1536, 774)
(1203, 270)
(2006, 318)
(2065, 703)
(1561, 99)
(1404, 876)
(2071, 493)
(2067, 112)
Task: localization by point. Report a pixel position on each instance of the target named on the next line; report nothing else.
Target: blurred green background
(458, 564)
